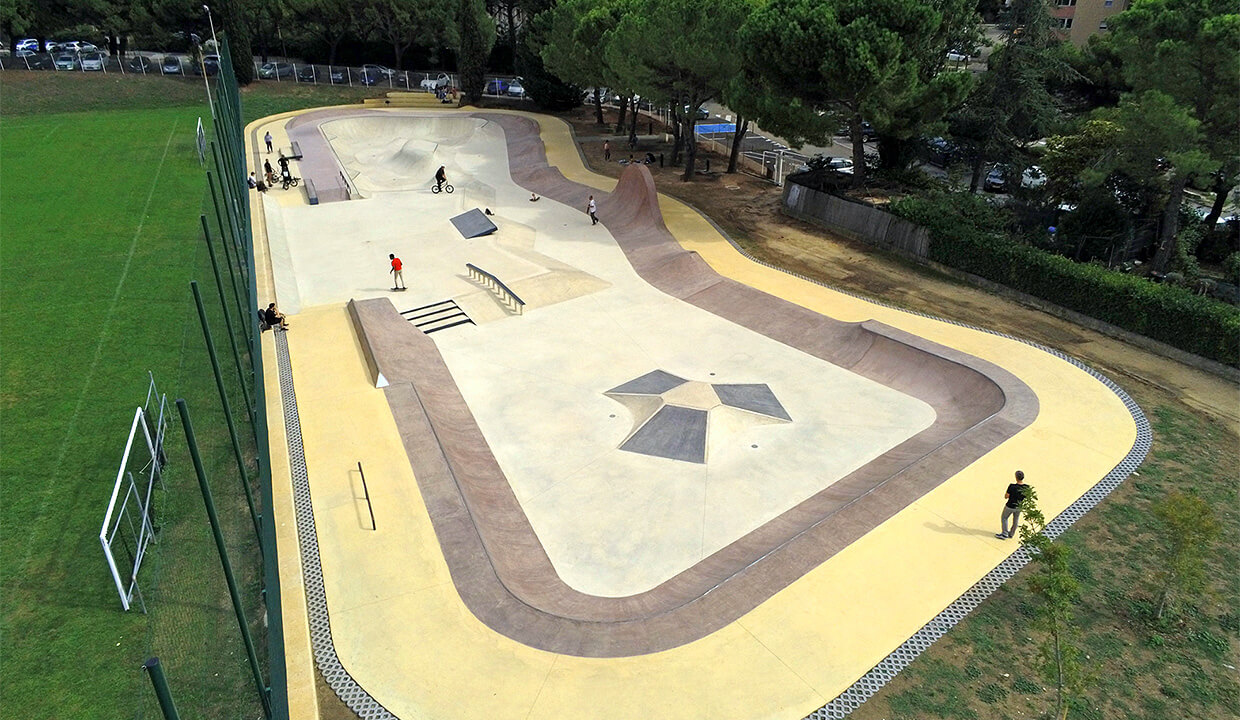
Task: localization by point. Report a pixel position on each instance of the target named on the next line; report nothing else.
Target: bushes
(968, 234)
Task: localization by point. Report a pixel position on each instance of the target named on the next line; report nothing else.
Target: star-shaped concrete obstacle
(672, 415)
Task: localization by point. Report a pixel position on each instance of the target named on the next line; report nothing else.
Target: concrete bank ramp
(391, 153)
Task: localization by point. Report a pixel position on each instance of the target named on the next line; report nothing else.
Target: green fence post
(278, 693)
(155, 672)
(225, 193)
(245, 391)
(232, 428)
(245, 315)
(263, 690)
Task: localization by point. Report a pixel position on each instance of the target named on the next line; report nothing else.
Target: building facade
(1076, 20)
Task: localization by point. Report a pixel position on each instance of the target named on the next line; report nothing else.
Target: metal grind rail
(509, 298)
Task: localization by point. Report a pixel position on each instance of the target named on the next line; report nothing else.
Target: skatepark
(632, 473)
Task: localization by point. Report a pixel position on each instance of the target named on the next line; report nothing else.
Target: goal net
(129, 523)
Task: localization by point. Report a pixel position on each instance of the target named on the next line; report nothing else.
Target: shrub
(968, 234)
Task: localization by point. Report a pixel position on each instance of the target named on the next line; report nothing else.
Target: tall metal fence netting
(213, 591)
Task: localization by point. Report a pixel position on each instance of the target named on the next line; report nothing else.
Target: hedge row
(966, 234)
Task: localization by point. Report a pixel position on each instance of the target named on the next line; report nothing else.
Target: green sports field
(99, 239)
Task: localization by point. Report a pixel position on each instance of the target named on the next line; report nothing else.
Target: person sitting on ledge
(274, 317)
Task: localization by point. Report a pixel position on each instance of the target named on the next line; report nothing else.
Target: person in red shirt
(398, 281)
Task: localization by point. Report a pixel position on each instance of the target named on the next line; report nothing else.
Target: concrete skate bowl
(501, 570)
(393, 153)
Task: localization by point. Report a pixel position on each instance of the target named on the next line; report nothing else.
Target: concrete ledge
(311, 193)
(359, 313)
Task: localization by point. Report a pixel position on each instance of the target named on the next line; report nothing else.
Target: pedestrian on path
(1011, 509)
(267, 139)
(607, 151)
(398, 282)
(592, 208)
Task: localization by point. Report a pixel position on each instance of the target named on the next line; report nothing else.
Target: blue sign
(711, 129)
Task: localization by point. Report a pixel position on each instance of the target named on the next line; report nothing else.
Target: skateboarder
(592, 208)
(398, 282)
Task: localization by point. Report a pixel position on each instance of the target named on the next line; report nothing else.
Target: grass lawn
(99, 238)
(1180, 667)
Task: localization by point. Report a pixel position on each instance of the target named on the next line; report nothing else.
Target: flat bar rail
(508, 297)
(366, 490)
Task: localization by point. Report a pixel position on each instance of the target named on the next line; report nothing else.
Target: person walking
(592, 208)
(607, 151)
(267, 139)
(271, 176)
(441, 177)
(1011, 509)
(398, 281)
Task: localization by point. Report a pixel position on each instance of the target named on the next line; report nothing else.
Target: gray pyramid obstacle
(473, 223)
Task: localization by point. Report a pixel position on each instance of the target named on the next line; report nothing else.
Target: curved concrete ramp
(386, 153)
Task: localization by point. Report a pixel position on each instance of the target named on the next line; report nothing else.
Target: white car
(27, 44)
(515, 88)
(1033, 177)
(959, 56)
(91, 62)
(431, 84)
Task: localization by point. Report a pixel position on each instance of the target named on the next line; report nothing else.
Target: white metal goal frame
(127, 523)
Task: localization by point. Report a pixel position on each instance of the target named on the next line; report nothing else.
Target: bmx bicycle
(288, 181)
(446, 188)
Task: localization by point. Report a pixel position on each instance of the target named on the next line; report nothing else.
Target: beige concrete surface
(397, 622)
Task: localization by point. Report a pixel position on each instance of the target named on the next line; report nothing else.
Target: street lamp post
(202, 60)
(211, 20)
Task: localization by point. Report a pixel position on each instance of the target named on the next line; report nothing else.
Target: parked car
(141, 64)
(385, 72)
(171, 65)
(370, 76)
(65, 61)
(996, 180)
(495, 86)
(1032, 178)
(515, 88)
(27, 44)
(959, 55)
(339, 75)
(941, 152)
(210, 65)
(75, 46)
(26, 53)
(91, 62)
(431, 84)
(867, 132)
(702, 113)
(275, 70)
(841, 165)
(307, 73)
